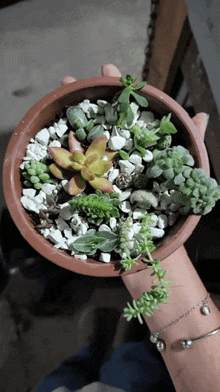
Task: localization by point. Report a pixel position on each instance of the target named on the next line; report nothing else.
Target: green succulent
(97, 207)
(93, 240)
(36, 173)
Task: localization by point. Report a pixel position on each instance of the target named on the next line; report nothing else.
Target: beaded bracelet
(160, 343)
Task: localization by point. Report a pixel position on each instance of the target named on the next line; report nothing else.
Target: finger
(67, 80)
(201, 120)
(110, 70)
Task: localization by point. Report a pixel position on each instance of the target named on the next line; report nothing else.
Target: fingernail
(207, 118)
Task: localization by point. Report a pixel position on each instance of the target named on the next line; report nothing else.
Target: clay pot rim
(22, 219)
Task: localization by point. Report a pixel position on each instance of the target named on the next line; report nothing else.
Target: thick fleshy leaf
(79, 157)
(87, 174)
(102, 184)
(74, 144)
(91, 159)
(111, 155)
(97, 146)
(76, 166)
(59, 172)
(77, 185)
(100, 167)
(61, 156)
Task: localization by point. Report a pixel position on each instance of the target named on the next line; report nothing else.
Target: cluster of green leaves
(97, 207)
(36, 173)
(154, 135)
(126, 114)
(171, 163)
(150, 299)
(196, 191)
(89, 243)
(124, 228)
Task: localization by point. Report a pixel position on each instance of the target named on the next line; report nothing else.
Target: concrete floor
(43, 41)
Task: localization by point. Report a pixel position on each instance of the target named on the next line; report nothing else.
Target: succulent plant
(81, 168)
(36, 173)
(124, 180)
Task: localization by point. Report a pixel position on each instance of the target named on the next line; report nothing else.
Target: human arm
(195, 369)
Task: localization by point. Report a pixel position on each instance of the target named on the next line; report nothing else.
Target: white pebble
(29, 192)
(113, 223)
(52, 132)
(55, 143)
(126, 167)
(65, 185)
(139, 169)
(148, 156)
(104, 227)
(157, 233)
(136, 228)
(116, 143)
(125, 194)
(135, 158)
(105, 257)
(61, 224)
(65, 212)
(81, 257)
(107, 134)
(154, 219)
(48, 188)
(128, 144)
(29, 204)
(138, 212)
(117, 190)
(113, 174)
(82, 229)
(162, 221)
(124, 133)
(43, 137)
(55, 236)
(125, 206)
(60, 129)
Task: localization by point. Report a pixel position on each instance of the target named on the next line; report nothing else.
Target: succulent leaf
(102, 184)
(61, 156)
(87, 174)
(97, 146)
(79, 157)
(77, 185)
(100, 167)
(74, 144)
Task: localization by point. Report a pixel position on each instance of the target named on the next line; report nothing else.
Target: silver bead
(186, 343)
(153, 338)
(161, 346)
(205, 310)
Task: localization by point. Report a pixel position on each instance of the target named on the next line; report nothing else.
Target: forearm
(195, 369)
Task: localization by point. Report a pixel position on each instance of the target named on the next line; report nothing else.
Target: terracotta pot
(43, 112)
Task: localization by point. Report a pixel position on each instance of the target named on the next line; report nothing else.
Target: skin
(195, 369)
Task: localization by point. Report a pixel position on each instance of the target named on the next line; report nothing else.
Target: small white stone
(102, 103)
(71, 240)
(113, 174)
(104, 227)
(125, 206)
(48, 188)
(124, 133)
(117, 190)
(65, 185)
(116, 143)
(130, 233)
(139, 169)
(55, 236)
(125, 194)
(128, 144)
(138, 212)
(61, 245)
(65, 212)
(126, 167)
(29, 204)
(105, 257)
(36, 151)
(52, 132)
(115, 132)
(82, 229)
(105, 158)
(154, 219)
(135, 158)
(148, 156)
(113, 223)
(157, 233)
(107, 134)
(55, 143)
(68, 232)
(162, 221)
(60, 129)
(81, 257)
(61, 224)
(43, 136)
(29, 192)
(136, 228)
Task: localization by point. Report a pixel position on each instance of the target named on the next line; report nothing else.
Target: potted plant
(88, 126)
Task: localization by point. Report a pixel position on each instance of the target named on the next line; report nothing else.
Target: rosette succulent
(81, 168)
